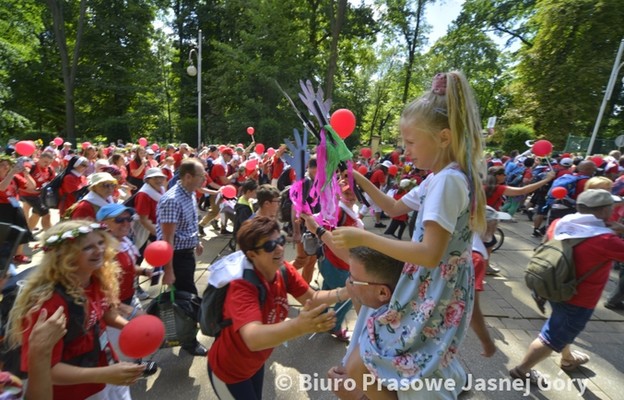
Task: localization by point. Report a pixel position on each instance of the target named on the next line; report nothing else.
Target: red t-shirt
(126, 261)
(177, 159)
(278, 167)
(495, 200)
(84, 210)
(96, 307)
(40, 176)
(135, 165)
(217, 174)
(145, 205)
(70, 184)
(331, 257)
(229, 357)
(18, 182)
(378, 178)
(588, 254)
(397, 196)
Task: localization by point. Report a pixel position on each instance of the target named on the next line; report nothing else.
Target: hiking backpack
(285, 205)
(551, 272)
(50, 191)
(211, 320)
(568, 182)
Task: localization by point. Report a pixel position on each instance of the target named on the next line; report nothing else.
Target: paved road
(510, 314)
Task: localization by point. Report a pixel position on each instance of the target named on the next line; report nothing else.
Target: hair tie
(438, 86)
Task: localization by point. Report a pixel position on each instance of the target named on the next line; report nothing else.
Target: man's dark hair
(249, 185)
(254, 230)
(383, 268)
(266, 193)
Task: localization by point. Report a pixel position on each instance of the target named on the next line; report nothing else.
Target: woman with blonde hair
(77, 272)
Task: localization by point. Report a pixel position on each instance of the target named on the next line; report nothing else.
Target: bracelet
(338, 296)
(320, 231)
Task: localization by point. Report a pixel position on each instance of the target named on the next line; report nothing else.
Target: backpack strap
(573, 243)
(250, 276)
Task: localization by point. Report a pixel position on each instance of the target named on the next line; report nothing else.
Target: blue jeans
(334, 278)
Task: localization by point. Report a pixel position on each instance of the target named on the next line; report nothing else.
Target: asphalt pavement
(296, 370)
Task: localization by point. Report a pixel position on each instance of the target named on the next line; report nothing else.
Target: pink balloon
(58, 141)
(155, 147)
(158, 253)
(343, 122)
(270, 151)
(250, 130)
(86, 145)
(142, 336)
(251, 165)
(228, 191)
(559, 192)
(143, 142)
(259, 148)
(25, 148)
(542, 148)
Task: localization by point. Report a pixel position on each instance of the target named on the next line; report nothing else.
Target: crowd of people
(415, 299)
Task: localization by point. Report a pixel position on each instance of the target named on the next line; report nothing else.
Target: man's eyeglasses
(363, 283)
(270, 245)
(120, 220)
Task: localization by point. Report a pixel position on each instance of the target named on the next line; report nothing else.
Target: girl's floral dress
(418, 334)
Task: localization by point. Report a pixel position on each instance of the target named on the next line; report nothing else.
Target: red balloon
(393, 170)
(143, 142)
(559, 192)
(142, 336)
(542, 147)
(366, 152)
(259, 148)
(343, 122)
(228, 191)
(25, 148)
(58, 141)
(362, 169)
(86, 145)
(158, 253)
(155, 147)
(250, 130)
(597, 160)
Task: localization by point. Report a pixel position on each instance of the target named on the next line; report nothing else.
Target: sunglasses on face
(270, 245)
(120, 220)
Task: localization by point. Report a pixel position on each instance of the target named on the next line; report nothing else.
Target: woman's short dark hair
(254, 230)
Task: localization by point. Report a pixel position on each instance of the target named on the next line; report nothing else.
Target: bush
(515, 136)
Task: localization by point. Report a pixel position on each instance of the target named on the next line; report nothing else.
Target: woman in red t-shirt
(237, 356)
(11, 181)
(495, 187)
(77, 272)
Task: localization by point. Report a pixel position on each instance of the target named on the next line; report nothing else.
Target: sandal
(578, 360)
(342, 335)
(533, 377)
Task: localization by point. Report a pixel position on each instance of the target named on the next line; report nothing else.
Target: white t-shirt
(449, 185)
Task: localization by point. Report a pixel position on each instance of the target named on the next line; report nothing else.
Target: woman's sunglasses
(270, 245)
(120, 220)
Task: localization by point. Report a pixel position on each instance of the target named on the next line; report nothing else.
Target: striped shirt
(178, 206)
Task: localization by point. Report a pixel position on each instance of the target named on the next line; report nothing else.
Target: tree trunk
(336, 22)
(68, 67)
(412, 44)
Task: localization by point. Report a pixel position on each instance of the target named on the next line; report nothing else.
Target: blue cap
(112, 210)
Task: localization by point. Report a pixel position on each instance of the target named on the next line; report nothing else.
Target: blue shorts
(564, 325)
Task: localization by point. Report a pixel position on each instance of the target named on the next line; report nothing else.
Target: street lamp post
(614, 73)
(192, 71)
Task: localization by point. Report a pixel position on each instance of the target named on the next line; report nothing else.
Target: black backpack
(285, 205)
(211, 320)
(50, 191)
